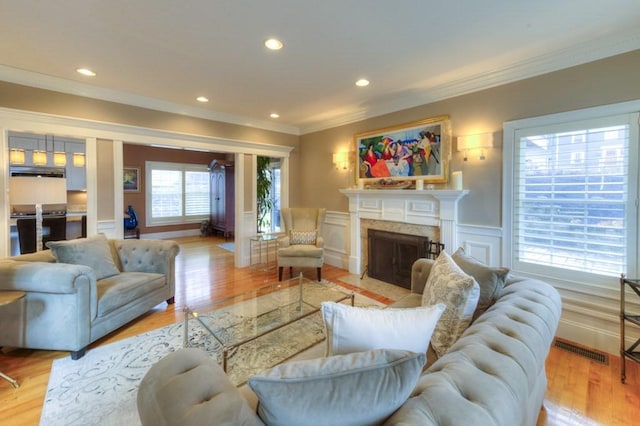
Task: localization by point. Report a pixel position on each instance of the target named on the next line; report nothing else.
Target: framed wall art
(419, 150)
(131, 179)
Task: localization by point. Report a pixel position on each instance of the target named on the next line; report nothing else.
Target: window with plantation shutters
(572, 197)
(176, 193)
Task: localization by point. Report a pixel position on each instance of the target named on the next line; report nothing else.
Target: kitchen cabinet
(29, 142)
(76, 176)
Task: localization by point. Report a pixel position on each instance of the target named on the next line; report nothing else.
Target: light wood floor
(580, 392)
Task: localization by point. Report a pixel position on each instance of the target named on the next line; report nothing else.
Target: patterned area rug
(101, 387)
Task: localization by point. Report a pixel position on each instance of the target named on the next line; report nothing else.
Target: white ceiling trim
(18, 120)
(42, 81)
(553, 61)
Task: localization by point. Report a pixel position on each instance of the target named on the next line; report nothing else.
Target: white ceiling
(162, 54)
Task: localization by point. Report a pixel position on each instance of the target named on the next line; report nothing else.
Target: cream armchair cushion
(297, 248)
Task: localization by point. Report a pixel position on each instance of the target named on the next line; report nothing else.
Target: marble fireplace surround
(386, 208)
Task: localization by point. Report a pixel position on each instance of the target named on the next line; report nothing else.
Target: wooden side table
(6, 298)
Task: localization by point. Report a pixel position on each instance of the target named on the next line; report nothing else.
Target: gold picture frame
(418, 150)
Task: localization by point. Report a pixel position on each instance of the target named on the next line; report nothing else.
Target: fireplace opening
(391, 255)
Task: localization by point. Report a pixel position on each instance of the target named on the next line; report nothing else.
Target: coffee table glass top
(245, 318)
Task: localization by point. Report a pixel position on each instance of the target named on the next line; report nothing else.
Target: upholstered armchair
(302, 246)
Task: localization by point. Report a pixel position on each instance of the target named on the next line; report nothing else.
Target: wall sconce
(16, 156)
(78, 159)
(479, 141)
(341, 160)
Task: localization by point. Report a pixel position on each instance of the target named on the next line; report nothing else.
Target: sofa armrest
(319, 242)
(419, 274)
(283, 242)
(51, 288)
(45, 277)
(187, 388)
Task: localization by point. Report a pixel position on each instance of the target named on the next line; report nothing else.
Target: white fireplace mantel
(437, 207)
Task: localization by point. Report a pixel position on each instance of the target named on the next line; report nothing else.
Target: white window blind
(571, 197)
(176, 193)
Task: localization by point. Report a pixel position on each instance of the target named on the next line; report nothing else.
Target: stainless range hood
(28, 171)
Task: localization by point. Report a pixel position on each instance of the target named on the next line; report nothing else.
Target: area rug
(228, 247)
(101, 387)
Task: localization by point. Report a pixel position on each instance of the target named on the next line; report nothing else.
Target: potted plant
(263, 196)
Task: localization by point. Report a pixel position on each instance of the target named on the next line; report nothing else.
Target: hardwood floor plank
(580, 391)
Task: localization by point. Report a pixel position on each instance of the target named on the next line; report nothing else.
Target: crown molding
(542, 64)
(42, 81)
(552, 61)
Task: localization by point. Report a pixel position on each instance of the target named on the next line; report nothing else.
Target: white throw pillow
(448, 284)
(353, 329)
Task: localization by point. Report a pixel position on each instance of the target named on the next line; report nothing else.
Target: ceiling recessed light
(362, 82)
(86, 71)
(202, 99)
(273, 44)
(274, 115)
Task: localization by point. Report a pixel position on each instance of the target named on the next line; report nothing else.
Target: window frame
(514, 130)
(173, 220)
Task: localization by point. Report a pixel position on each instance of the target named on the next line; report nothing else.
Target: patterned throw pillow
(303, 237)
(448, 284)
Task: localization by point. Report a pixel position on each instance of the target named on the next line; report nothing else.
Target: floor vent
(600, 357)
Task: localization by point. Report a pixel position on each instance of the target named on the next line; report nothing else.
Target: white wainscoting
(335, 232)
(482, 242)
(590, 314)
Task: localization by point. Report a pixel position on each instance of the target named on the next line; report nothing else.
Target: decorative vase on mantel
(130, 218)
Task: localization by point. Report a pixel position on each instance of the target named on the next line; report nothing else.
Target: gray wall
(597, 83)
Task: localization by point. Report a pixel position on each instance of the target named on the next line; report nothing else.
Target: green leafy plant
(263, 196)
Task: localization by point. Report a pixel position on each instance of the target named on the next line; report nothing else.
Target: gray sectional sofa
(68, 306)
(494, 374)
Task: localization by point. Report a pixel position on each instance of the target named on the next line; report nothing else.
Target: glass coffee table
(239, 320)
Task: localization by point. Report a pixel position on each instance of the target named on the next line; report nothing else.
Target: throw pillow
(354, 329)
(448, 284)
(303, 237)
(362, 388)
(93, 252)
(491, 280)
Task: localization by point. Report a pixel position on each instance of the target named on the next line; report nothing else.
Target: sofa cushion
(301, 250)
(491, 280)
(122, 289)
(354, 329)
(361, 388)
(448, 284)
(303, 237)
(93, 252)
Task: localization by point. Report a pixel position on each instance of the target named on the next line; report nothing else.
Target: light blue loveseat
(66, 307)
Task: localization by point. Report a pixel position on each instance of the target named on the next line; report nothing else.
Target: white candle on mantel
(360, 184)
(419, 184)
(456, 180)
